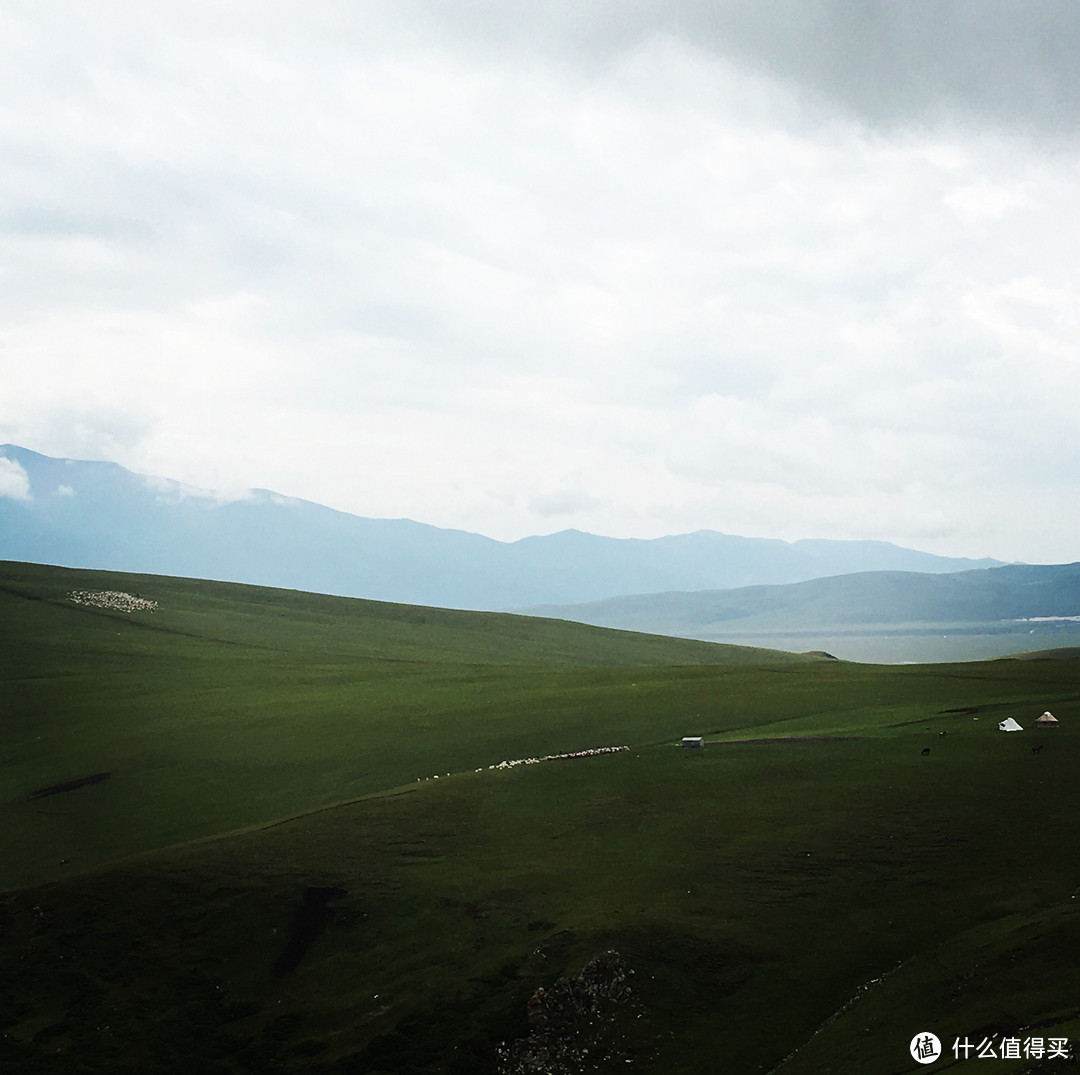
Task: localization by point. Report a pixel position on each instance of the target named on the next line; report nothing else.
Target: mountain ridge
(100, 515)
(1021, 605)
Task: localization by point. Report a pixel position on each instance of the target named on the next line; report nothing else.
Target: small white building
(1009, 725)
(1047, 720)
(693, 741)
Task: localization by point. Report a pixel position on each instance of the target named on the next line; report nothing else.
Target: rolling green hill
(229, 705)
(270, 878)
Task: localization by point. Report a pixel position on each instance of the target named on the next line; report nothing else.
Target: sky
(778, 268)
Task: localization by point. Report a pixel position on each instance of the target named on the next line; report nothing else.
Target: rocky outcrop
(573, 1023)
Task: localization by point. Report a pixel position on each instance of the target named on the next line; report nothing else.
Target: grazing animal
(1035, 750)
(942, 733)
(925, 751)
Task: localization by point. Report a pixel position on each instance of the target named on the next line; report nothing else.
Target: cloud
(1007, 65)
(563, 502)
(169, 491)
(787, 268)
(14, 481)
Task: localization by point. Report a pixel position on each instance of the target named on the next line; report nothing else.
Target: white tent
(1009, 725)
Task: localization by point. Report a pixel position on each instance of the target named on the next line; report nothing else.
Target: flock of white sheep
(555, 757)
(592, 751)
(116, 600)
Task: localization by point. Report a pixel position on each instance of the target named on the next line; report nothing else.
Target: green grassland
(804, 895)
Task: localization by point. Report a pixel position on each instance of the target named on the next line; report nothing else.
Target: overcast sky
(781, 268)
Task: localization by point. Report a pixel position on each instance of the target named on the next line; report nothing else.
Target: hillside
(884, 616)
(99, 515)
(270, 702)
(306, 857)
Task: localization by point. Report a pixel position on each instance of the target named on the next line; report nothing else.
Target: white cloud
(986, 201)
(169, 491)
(567, 500)
(14, 481)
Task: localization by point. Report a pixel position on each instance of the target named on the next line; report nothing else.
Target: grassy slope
(231, 705)
(754, 887)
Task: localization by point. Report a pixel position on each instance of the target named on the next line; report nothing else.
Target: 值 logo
(925, 1047)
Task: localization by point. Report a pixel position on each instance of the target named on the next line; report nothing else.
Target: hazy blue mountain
(1011, 592)
(92, 514)
(877, 615)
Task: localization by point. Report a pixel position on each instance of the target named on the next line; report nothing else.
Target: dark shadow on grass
(69, 785)
(309, 921)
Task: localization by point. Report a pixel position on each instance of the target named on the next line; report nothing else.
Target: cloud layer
(783, 269)
(14, 481)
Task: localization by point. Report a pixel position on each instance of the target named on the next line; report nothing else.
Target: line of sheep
(555, 757)
(116, 600)
(547, 757)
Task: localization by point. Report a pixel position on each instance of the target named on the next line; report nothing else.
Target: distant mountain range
(99, 515)
(885, 615)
